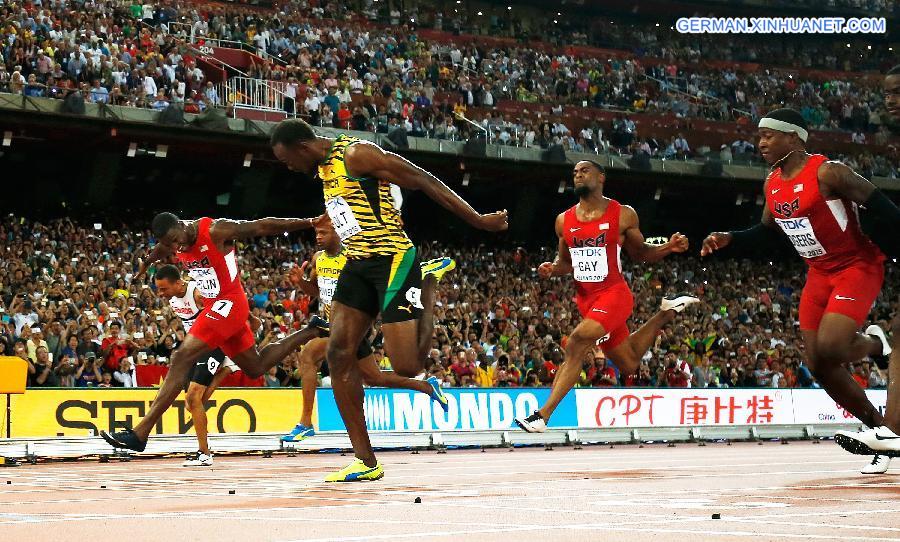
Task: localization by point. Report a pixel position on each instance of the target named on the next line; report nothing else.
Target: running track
(779, 492)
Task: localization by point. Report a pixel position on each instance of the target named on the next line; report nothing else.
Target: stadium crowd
(117, 52)
(70, 307)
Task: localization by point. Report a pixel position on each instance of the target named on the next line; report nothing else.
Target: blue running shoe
(319, 323)
(299, 433)
(437, 393)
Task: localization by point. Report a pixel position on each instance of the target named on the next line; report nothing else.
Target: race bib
(326, 289)
(342, 218)
(207, 281)
(802, 236)
(589, 264)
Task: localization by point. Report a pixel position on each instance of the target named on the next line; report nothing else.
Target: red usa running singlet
(826, 233)
(594, 249)
(216, 274)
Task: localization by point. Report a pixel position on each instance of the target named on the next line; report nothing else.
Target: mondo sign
(469, 409)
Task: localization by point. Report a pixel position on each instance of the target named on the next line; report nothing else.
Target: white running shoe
(678, 302)
(533, 423)
(199, 460)
(882, 360)
(878, 440)
(878, 465)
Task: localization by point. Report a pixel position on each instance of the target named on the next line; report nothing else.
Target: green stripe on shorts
(400, 268)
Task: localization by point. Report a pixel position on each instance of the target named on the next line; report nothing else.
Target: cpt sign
(787, 209)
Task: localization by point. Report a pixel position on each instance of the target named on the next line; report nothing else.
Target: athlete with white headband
(814, 202)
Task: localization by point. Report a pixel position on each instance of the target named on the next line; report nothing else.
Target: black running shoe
(124, 439)
(321, 324)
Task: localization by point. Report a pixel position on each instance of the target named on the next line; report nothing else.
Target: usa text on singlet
(361, 209)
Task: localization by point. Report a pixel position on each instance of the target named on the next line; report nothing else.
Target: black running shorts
(205, 370)
(389, 285)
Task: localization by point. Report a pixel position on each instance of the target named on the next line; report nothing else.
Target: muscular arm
(836, 179)
(562, 264)
(635, 245)
(158, 253)
(224, 230)
(198, 299)
(365, 160)
(309, 286)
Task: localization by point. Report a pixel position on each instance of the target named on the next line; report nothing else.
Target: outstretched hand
(498, 221)
(678, 242)
(296, 274)
(715, 241)
(545, 270)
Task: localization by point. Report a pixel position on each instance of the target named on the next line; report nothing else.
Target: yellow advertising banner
(82, 412)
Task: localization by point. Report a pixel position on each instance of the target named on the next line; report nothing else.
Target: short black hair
(894, 71)
(787, 114)
(167, 272)
(596, 164)
(163, 223)
(291, 131)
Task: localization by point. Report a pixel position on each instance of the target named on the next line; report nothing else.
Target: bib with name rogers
(802, 236)
(589, 264)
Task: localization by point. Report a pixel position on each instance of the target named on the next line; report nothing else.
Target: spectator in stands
(114, 348)
(88, 373)
(106, 381)
(99, 94)
(161, 102)
(44, 376)
(124, 376)
(605, 375)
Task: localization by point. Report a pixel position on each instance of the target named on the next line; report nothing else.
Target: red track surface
(771, 492)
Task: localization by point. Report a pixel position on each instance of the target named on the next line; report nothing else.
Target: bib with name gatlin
(361, 209)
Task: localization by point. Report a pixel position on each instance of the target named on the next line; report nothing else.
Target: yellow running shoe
(357, 471)
(438, 267)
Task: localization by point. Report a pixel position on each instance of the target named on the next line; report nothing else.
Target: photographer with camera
(125, 376)
(88, 373)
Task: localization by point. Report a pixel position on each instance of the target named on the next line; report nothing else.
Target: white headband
(782, 126)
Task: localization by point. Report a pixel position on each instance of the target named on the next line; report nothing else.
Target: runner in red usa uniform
(814, 202)
(222, 323)
(206, 248)
(591, 237)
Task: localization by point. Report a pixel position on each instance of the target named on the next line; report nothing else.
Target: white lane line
(599, 528)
